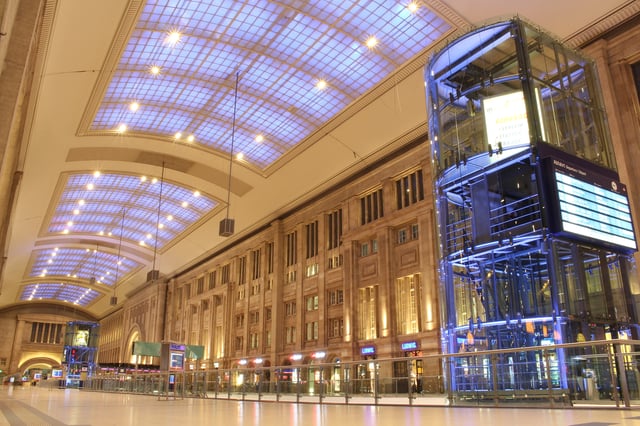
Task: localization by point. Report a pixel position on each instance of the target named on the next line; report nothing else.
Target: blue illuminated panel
(280, 52)
(368, 350)
(593, 207)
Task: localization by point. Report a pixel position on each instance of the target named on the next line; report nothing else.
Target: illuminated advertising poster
(506, 120)
(81, 338)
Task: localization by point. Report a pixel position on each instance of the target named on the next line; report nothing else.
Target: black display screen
(591, 206)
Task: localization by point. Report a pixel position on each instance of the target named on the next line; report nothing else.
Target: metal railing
(598, 373)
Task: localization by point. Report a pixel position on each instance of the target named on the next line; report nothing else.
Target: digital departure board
(591, 206)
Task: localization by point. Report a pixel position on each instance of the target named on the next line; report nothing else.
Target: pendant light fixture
(227, 224)
(114, 298)
(154, 273)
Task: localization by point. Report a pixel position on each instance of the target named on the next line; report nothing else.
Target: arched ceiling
(138, 110)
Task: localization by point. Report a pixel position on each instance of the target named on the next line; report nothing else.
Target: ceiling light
(169, 217)
(173, 37)
(154, 180)
(90, 186)
(134, 106)
(96, 174)
(321, 85)
(413, 7)
(185, 204)
(191, 138)
(177, 136)
(122, 128)
(155, 70)
(66, 231)
(239, 156)
(69, 223)
(371, 42)
(196, 193)
(259, 138)
(143, 178)
(76, 211)
(81, 202)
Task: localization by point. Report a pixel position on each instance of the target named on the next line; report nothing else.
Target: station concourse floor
(32, 406)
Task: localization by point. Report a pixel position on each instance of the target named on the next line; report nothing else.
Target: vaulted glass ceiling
(298, 63)
(146, 211)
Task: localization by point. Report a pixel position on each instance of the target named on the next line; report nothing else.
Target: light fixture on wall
(114, 298)
(227, 224)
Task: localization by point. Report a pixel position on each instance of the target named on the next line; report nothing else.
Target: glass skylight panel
(280, 52)
(81, 264)
(113, 196)
(62, 292)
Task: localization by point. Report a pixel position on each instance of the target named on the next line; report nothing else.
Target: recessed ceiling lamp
(227, 224)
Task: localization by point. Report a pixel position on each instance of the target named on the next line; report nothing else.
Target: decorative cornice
(603, 24)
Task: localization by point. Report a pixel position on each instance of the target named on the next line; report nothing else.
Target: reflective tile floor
(26, 405)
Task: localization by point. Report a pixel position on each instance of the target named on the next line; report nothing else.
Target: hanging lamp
(227, 224)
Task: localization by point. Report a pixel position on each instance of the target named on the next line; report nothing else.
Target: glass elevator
(535, 230)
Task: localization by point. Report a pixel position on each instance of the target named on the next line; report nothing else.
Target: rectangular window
(239, 343)
(253, 340)
(414, 231)
(267, 338)
(336, 297)
(270, 258)
(311, 231)
(364, 249)
(335, 261)
(242, 292)
(334, 229)
(367, 313)
(242, 270)
(402, 236)
(212, 280)
(311, 331)
(200, 285)
(409, 189)
(239, 320)
(407, 297)
(336, 327)
(255, 288)
(292, 247)
(371, 207)
(226, 273)
(255, 264)
(267, 314)
(312, 270)
(254, 317)
(290, 309)
(289, 335)
(312, 303)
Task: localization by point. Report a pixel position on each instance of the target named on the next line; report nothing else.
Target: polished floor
(27, 405)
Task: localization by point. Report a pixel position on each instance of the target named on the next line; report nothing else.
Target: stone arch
(28, 363)
(135, 335)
